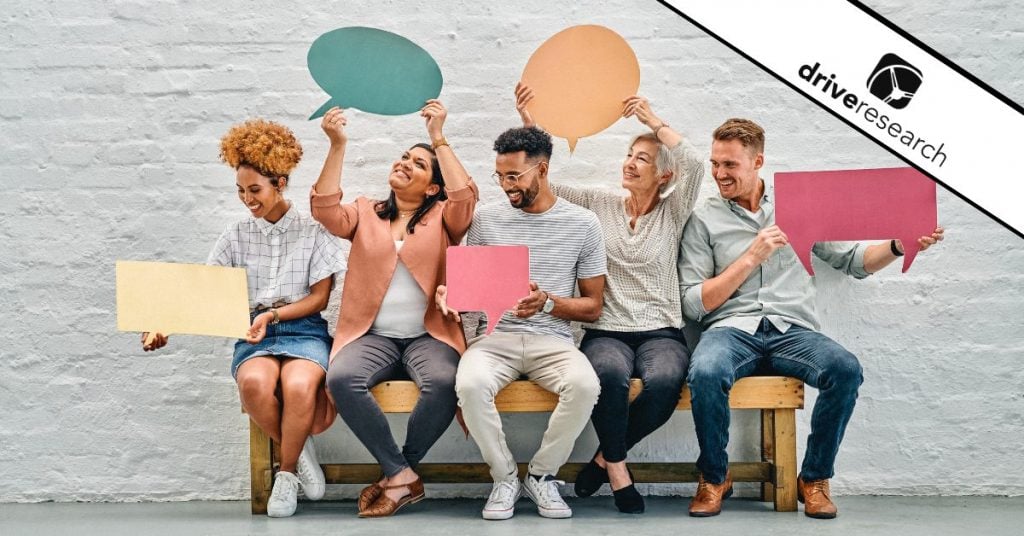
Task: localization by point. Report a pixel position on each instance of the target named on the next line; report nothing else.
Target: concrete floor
(595, 516)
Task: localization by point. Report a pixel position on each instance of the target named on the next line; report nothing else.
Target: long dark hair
(388, 209)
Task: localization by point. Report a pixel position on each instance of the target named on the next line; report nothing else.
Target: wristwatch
(549, 304)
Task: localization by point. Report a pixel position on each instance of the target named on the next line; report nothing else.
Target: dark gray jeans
(658, 357)
(371, 359)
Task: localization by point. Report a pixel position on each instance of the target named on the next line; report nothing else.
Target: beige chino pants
(493, 362)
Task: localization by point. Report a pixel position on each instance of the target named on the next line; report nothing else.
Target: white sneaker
(284, 496)
(502, 502)
(309, 472)
(545, 493)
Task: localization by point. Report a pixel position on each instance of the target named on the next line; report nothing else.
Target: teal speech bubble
(372, 70)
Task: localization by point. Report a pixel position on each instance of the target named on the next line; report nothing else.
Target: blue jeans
(659, 358)
(727, 354)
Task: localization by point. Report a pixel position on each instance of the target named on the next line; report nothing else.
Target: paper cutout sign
(858, 204)
(487, 278)
(579, 78)
(182, 298)
(372, 70)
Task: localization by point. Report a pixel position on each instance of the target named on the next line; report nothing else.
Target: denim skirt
(301, 338)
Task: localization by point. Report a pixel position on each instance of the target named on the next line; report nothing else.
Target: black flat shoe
(628, 500)
(590, 479)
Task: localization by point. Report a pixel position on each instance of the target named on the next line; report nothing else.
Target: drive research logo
(894, 81)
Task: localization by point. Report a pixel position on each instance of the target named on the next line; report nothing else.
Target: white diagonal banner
(894, 90)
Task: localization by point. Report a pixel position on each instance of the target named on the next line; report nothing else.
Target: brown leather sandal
(385, 507)
(369, 495)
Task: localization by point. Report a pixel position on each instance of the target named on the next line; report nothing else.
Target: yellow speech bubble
(579, 78)
(182, 298)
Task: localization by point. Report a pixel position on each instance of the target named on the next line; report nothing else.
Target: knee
(611, 377)
(661, 385)
(708, 374)
(300, 389)
(844, 372)
(581, 388)
(472, 387)
(256, 387)
(343, 381)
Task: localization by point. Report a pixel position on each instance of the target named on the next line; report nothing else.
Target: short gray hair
(663, 162)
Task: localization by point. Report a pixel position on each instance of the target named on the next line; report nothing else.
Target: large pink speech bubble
(487, 278)
(856, 204)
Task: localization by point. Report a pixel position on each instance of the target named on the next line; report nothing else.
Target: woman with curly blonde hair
(290, 261)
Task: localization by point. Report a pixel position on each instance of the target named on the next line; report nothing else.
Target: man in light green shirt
(738, 278)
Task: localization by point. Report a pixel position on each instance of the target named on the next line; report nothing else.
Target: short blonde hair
(268, 147)
(749, 133)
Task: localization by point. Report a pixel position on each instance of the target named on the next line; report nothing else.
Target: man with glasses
(566, 249)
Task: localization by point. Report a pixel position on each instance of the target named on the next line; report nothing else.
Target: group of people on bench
(627, 267)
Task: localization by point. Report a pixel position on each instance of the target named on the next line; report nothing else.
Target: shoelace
(820, 486)
(290, 490)
(549, 491)
(704, 487)
(303, 468)
(503, 492)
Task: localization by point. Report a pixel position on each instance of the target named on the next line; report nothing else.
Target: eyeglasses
(511, 177)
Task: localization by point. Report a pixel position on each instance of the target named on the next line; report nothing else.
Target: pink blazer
(373, 258)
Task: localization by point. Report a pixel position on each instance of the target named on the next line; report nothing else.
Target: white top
(642, 289)
(401, 313)
(565, 245)
(281, 260)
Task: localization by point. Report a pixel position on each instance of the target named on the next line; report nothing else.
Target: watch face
(548, 305)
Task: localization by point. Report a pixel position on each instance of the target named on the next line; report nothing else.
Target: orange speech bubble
(579, 77)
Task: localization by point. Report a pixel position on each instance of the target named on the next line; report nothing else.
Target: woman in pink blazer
(389, 327)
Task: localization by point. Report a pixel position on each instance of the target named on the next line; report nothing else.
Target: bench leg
(768, 451)
(784, 432)
(260, 473)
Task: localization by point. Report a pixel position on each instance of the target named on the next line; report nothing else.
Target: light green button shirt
(780, 289)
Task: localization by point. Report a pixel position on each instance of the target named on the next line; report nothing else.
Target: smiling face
(735, 169)
(258, 194)
(524, 191)
(411, 176)
(639, 170)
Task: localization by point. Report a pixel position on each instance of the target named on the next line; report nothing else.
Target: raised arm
(687, 166)
(462, 193)
(325, 198)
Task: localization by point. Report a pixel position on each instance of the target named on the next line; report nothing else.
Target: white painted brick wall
(110, 113)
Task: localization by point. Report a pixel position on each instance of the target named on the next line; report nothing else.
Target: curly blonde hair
(268, 147)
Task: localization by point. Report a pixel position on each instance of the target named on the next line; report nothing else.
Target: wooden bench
(777, 397)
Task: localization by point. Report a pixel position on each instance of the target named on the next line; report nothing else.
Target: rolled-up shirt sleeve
(696, 264)
(339, 220)
(847, 257)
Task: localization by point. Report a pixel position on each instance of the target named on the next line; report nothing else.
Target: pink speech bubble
(856, 204)
(487, 278)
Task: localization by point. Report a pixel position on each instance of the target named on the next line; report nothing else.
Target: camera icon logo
(894, 81)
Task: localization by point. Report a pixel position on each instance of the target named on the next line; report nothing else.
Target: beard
(526, 197)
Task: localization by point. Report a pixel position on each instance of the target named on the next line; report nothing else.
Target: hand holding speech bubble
(487, 278)
(182, 298)
(372, 70)
(858, 204)
(579, 78)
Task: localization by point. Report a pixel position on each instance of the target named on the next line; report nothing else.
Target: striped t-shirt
(565, 245)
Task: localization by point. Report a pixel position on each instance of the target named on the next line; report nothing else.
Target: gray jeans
(372, 359)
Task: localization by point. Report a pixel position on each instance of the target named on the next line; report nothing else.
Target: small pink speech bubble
(856, 204)
(487, 278)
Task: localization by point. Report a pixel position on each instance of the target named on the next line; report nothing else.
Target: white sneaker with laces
(309, 472)
(502, 502)
(545, 493)
(284, 496)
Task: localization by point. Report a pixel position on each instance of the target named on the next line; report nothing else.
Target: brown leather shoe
(708, 500)
(385, 507)
(817, 498)
(369, 495)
